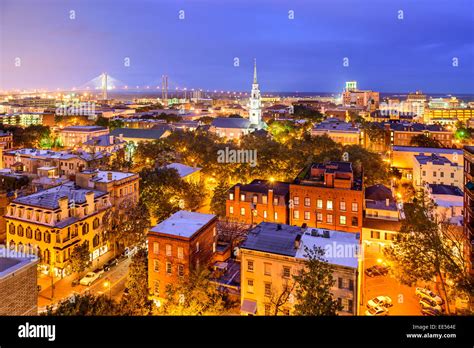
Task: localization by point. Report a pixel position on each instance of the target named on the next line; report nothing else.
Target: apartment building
(345, 133)
(73, 136)
(54, 221)
(274, 253)
(436, 169)
(119, 185)
(259, 201)
(176, 246)
(327, 195)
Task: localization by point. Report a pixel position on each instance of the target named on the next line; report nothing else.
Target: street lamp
(107, 284)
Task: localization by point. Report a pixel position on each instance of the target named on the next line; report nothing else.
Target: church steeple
(255, 71)
(255, 109)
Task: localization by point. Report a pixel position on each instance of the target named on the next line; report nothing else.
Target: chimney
(297, 241)
(387, 201)
(237, 193)
(109, 176)
(90, 200)
(63, 203)
(111, 139)
(121, 137)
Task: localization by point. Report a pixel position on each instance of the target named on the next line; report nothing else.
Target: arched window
(38, 235)
(29, 233)
(12, 245)
(95, 224)
(47, 237)
(20, 247)
(20, 231)
(11, 229)
(95, 241)
(46, 256)
(85, 228)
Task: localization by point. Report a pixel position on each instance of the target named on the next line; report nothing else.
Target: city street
(117, 277)
(403, 297)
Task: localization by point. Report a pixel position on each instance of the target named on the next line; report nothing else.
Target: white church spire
(255, 109)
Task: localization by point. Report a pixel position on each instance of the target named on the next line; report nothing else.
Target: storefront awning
(249, 307)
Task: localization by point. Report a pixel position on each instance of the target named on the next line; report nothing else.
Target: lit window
(267, 268)
(231, 210)
(242, 197)
(329, 218)
(355, 206)
(168, 249)
(296, 200)
(307, 202)
(342, 206)
(180, 253)
(329, 205)
(197, 246)
(250, 286)
(250, 265)
(231, 196)
(307, 215)
(156, 248)
(296, 214)
(319, 217)
(264, 214)
(342, 219)
(242, 211)
(319, 204)
(276, 216)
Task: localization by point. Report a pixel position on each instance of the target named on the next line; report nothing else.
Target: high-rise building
(356, 97)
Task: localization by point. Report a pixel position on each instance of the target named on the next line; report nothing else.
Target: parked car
(377, 270)
(376, 311)
(430, 311)
(427, 303)
(382, 301)
(428, 294)
(110, 264)
(91, 277)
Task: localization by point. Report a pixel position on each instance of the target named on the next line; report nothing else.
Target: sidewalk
(63, 286)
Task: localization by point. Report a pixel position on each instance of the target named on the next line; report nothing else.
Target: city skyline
(304, 54)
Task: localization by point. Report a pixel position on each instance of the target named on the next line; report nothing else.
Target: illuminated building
(436, 169)
(469, 202)
(259, 201)
(54, 221)
(327, 195)
(176, 246)
(274, 253)
(353, 96)
(345, 133)
(77, 135)
(448, 116)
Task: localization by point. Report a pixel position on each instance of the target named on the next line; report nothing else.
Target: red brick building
(327, 196)
(259, 201)
(177, 245)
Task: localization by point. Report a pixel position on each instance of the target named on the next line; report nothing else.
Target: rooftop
(341, 248)
(49, 198)
(182, 169)
(104, 140)
(11, 261)
(273, 238)
(84, 129)
(434, 159)
(103, 176)
(231, 122)
(151, 133)
(381, 224)
(183, 223)
(262, 186)
(438, 189)
(427, 150)
(334, 124)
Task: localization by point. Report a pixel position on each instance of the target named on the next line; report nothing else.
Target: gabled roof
(231, 122)
(151, 133)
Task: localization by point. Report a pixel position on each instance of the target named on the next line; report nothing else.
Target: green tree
(219, 197)
(80, 257)
(427, 248)
(85, 305)
(195, 294)
(313, 286)
(422, 140)
(137, 301)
